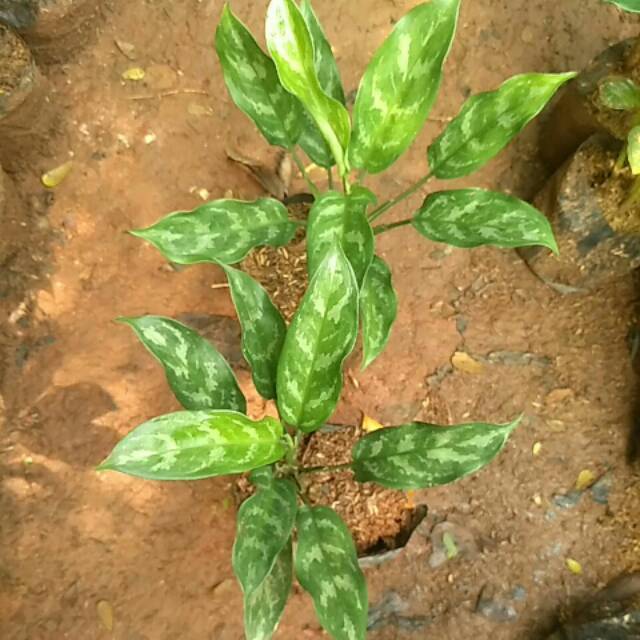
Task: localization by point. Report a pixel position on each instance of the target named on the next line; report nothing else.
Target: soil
(16, 72)
(83, 553)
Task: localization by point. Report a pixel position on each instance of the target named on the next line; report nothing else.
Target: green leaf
(417, 455)
(265, 523)
(198, 375)
(339, 218)
(263, 329)
(488, 122)
(190, 445)
(626, 5)
(619, 93)
(220, 231)
(378, 307)
(323, 58)
(322, 334)
(262, 476)
(633, 150)
(263, 607)
(326, 68)
(327, 567)
(475, 217)
(253, 84)
(291, 46)
(400, 85)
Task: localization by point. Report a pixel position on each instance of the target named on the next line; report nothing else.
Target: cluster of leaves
(295, 97)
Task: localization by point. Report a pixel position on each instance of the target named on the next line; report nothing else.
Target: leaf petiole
(310, 183)
(382, 228)
(383, 208)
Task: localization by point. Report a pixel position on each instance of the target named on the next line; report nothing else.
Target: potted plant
(295, 97)
(591, 139)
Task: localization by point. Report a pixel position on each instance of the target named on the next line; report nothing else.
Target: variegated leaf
(326, 67)
(340, 218)
(220, 231)
(291, 47)
(474, 217)
(633, 6)
(197, 373)
(378, 308)
(324, 60)
(252, 81)
(322, 334)
(262, 476)
(417, 455)
(633, 150)
(265, 523)
(327, 567)
(489, 121)
(190, 445)
(263, 607)
(400, 85)
(619, 93)
(263, 329)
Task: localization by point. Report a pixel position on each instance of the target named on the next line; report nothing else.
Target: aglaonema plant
(632, 6)
(295, 97)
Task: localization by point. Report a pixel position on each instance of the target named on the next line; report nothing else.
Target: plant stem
(376, 213)
(622, 156)
(346, 185)
(296, 158)
(329, 469)
(381, 228)
(330, 177)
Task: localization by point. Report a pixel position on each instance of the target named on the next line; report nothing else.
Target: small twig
(174, 92)
(220, 285)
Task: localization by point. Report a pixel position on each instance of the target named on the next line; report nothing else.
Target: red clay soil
(81, 550)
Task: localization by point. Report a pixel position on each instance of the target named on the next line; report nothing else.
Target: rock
(19, 14)
(496, 609)
(600, 490)
(389, 613)
(567, 501)
(623, 627)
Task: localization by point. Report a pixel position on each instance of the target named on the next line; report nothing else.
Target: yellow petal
(585, 479)
(369, 424)
(134, 74)
(53, 178)
(574, 566)
(537, 448)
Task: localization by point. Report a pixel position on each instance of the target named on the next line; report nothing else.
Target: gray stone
(567, 501)
(600, 490)
(496, 610)
(19, 14)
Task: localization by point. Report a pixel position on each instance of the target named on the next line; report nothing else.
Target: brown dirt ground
(158, 555)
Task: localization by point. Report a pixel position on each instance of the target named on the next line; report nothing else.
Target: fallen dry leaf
(105, 614)
(585, 479)
(574, 566)
(134, 74)
(369, 424)
(464, 362)
(53, 178)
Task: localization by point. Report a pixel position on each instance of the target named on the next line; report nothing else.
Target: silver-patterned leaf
(264, 525)
(311, 139)
(220, 231)
(400, 85)
(619, 93)
(197, 373)
(322, 334)
(263, 329)
(252, 81)
(378, 308)
(291, 47)
(191, 445)
(475, 217)
(340, 218)
(633, 150)
(263, 607)
(633, 6)
(327, 567)
(489, 121)
(417, 455)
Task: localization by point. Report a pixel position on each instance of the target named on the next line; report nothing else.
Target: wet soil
(82, 552)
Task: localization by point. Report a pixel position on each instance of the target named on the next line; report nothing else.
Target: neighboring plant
(296, 97)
